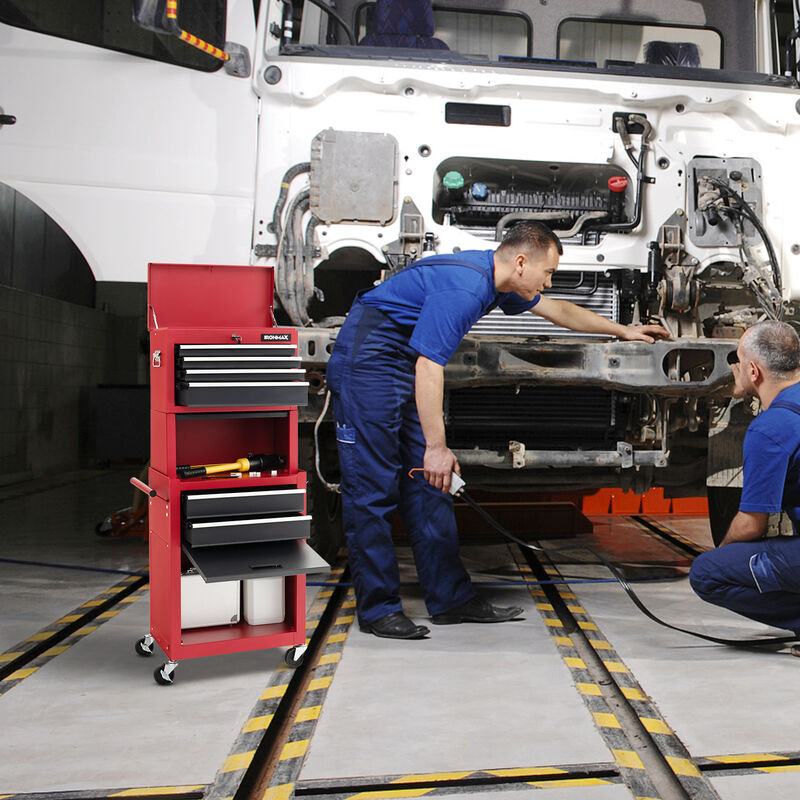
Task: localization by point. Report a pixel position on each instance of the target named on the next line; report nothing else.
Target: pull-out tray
(228, 504)
(263, 393)
(260, 528)
(264, 560)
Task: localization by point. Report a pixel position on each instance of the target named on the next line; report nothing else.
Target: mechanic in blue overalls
(386, 374)
(757, 577)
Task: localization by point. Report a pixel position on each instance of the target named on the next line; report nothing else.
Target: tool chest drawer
(198, 505)
(208, 375)
(245, 530)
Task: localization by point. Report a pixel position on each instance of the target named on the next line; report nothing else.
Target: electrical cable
(619, 578)
(70, 566)
(331, 487)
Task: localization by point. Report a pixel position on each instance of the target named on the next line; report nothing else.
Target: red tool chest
(225, 384)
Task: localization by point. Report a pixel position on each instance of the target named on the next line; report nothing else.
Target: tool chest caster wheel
(144, 647)
(295, 655)
(165, 674)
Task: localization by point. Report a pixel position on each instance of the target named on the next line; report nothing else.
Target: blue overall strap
(786, 404)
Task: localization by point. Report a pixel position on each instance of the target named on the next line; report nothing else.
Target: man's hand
(438, 463)
(644, 333)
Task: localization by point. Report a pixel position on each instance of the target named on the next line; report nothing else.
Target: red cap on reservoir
(619, 183)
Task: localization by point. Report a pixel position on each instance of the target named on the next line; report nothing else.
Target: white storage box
(205, 604)
(264, 601)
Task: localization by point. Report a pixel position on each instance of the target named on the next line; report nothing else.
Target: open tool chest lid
(209, 295)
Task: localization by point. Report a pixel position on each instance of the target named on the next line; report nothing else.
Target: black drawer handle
(7, 119)
(265, 566)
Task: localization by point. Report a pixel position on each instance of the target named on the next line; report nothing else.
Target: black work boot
(396, 626)
(476, 610)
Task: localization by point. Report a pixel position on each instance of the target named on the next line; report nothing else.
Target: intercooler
(593, 290)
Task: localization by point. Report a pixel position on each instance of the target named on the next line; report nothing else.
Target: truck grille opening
(543, 418)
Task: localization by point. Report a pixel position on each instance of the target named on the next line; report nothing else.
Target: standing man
(387, 377)
(753, 576)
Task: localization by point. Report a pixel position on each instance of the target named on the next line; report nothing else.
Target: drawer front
(239, 375)
(268, 528)
(235, 350)
(229, 504)
(236, 362)
(228, 394)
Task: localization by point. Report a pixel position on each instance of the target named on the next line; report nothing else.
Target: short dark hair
(531, 236)
(775, 345)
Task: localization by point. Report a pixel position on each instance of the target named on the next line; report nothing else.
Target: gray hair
(775, 345)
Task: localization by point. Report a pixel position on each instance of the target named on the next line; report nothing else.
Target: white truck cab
(339, 144)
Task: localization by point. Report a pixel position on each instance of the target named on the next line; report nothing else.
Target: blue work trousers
(759, 580)
(371, 374)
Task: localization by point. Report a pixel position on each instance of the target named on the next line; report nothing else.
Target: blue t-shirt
(441, 298)
(772, 460)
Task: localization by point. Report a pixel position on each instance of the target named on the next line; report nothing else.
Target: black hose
(286, 181)
(623, 583)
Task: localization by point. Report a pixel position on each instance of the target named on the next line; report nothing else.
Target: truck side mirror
(162, 16)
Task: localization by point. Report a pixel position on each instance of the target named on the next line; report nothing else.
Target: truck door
(141, 147)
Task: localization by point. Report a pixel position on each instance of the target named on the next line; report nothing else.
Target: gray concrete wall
(53, 355)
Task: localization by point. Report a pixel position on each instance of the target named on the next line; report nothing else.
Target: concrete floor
(469, 698)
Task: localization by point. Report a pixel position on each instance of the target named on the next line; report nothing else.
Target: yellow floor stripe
(237, 761)
(433, 776)
(514, 772)
(349, 604)
(132, 599)
(114, 590)
(615, 666)
(326, 593)
(567, 595)
(108, 614)
(337, 637)
(281, 792)
(344, 620)
(390, 793)
(587, 626)
(330, 658)
(56, 651)
(589, 688)
(294, 749)
(652, 725)
(564, 641)
(554, 623)
(575, 663)
(738, 758)
(273, 691)
(308, 713)
(628, 758)
(605, 720)
(576, 609)
(148, 790)
(6, 657)
(320, 683)
(599, 644)
(40, 637)
(783, 768)
(683, 766)
(545, 606)
(91, 603)
(70, 618)
(569, 782)
(19, 674)
(633, 694)
(87, 630)
(257, 723)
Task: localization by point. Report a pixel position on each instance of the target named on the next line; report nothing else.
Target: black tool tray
(263, 560)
